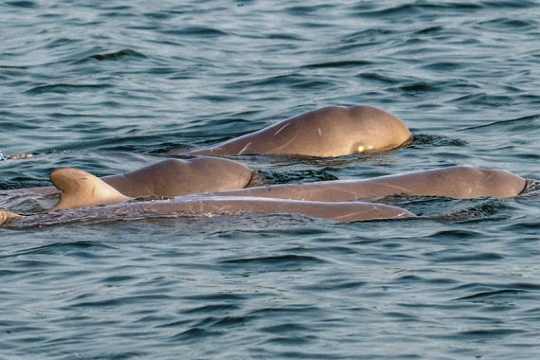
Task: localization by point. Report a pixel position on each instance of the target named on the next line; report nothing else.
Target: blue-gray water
(108, 86)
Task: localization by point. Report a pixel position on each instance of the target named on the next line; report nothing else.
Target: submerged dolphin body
(82, 193)
(196, 206)
(327, 132)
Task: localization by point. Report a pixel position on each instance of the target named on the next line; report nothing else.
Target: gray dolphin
(82, 193)
(461, 182)
(171, 177)
(327, 132)
(175, 177)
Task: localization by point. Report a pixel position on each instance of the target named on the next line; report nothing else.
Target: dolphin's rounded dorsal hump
(81, 189)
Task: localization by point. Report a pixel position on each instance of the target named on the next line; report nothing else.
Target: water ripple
(66, 88)
(115, 56)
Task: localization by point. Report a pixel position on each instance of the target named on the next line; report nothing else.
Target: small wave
(506, 24)
(430, 30)
(419, 8)
(225, 321)
(416, 87)
(216, 297)
(60, 248)
(520, 123)
(118, 279)
(338, 64)
(284, 328)
(482, 99)
(476, 213)
(488, 333)
(475, 257)
(114, 56)
(285, 312)
(481, 288)
(294, 81)
(196, 31)
(23, 4)
(401, 316)
(527, 227)
(290, 340)
(15, 67)
(456, 234)
(483, 335)
(491, 294)
(160, 15)
(10, 273)
(65, 88)
(307, 10)
(61, 42)
(424, 280)
(281, 36)
(333, 285)
(327, 250)
(121, 301)
(205, 309)
(436, 140)
(443, 66)
(373, 76)
(512, 4)
(416, 8)
(194, 334)
(367, 36)
(282, 260)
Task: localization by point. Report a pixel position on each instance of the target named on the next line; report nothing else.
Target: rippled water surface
(109, 86)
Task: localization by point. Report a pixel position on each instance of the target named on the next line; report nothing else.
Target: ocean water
(109, 86)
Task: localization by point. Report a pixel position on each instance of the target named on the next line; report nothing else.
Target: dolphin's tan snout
(7, 216)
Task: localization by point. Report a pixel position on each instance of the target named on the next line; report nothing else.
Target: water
(110, 86)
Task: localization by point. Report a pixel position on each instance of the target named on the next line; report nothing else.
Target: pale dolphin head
(502, 183)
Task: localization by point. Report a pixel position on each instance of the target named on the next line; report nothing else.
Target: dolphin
(460, 182)
(171, 177)
(327, 132)
(175, 177)
(85, 197)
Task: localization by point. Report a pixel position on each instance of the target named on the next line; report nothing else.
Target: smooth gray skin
(461, 182)
(327, 132)
(191, 206)
(174, 177)
(171, 177)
